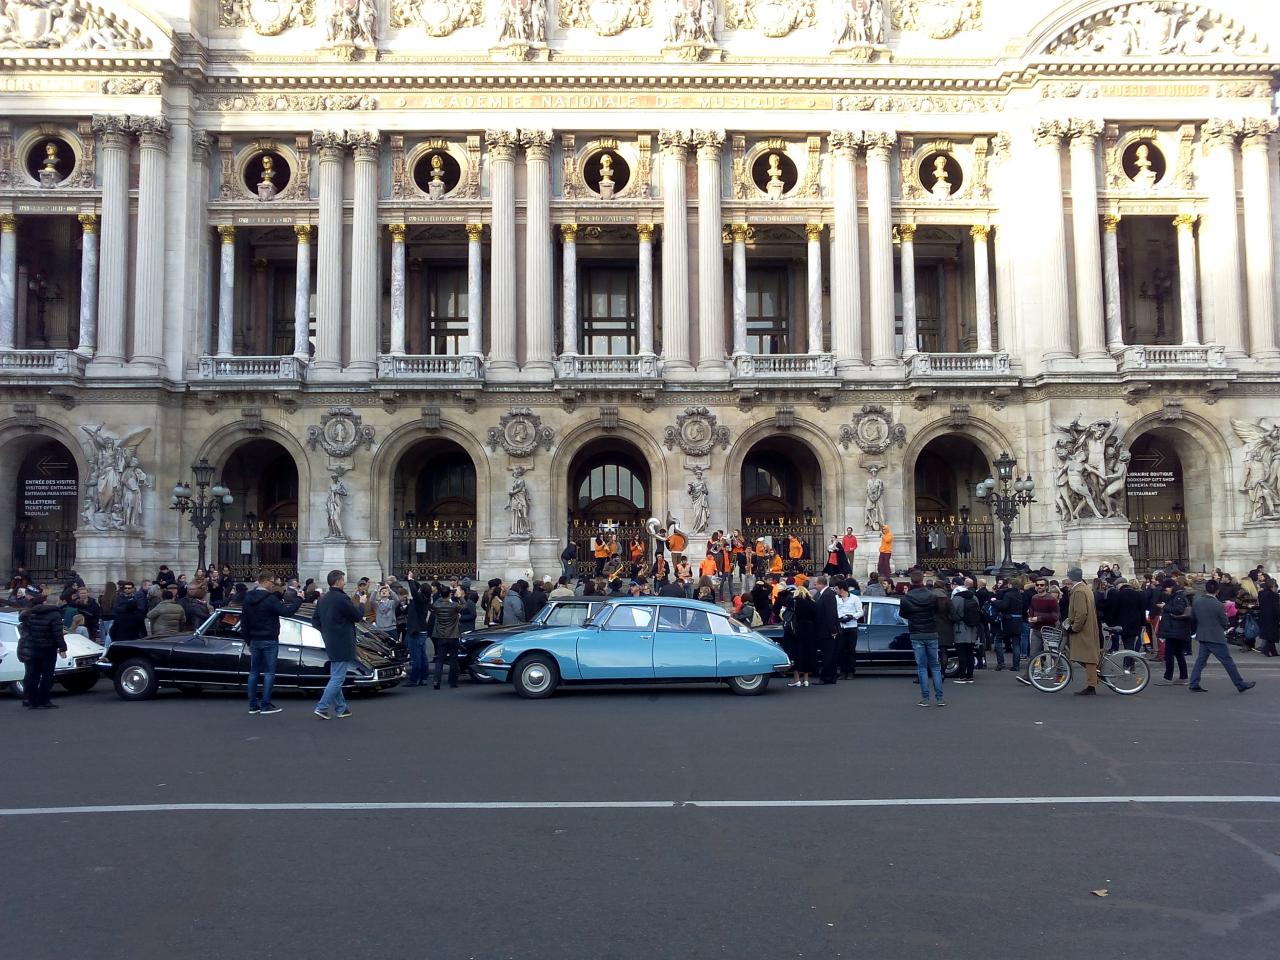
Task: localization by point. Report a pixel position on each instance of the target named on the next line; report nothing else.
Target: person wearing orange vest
(600, 553)
(795, 551)
(677, 542)
(775, 565)
(886, 552)
(708, 567)
(758, 561)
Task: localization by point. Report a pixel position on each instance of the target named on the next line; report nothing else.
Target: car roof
(668, 602)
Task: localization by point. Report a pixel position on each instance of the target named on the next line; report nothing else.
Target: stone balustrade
(1173, 357)
(620, 367)
(261, 369)
(33, 363)
(784, 366)
(461, 367)
(959, 364)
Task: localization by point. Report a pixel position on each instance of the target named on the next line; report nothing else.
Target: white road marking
(465, 805)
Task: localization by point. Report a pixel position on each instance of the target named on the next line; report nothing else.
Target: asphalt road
(954, 880)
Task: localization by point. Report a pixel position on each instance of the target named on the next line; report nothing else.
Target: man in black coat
(446, 612)
(41, 627)
(128, 614)
(336, 617)
(260, 626)
(417, 625)
(828, 630)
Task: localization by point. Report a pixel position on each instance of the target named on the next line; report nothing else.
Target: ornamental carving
(916, 103)
(696, 432)
(520, 432)
(113, 488)
(691, 29)
(773, 18)
(1157, 29)
(873, 430)
(940, 19)
(268, 18)
(1261, 467)
(350, 27)
(521, 23)
(301, 102)
(1092, 465)
(607, 18)
(65, 25)
(340, 432)
(131, 87)
(859, 23)
(438, 17)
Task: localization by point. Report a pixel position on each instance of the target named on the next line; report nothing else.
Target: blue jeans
(1223, 653)
(927, 665)
(419, 662)
(262, 663)
(332, 696)
(105, 627)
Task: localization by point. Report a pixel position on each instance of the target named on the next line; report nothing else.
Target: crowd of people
(953, 613)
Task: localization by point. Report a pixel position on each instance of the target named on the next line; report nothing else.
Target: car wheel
(82, 683)
(18, 688)
(478, 677)
(750, 686)
(952, 667)
(535, 676)
(136, 679)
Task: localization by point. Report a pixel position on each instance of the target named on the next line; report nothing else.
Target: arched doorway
(953, 529)
(260, 531)
(1156, 498)
(45, 500)
(782, 498)
(609, 491)
(433, 503)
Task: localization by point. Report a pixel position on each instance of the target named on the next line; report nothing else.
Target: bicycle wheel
(1125, 672)
(1049, 672)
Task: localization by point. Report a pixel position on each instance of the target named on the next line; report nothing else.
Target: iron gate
(253, 548)
(434, 549)
(1156, 542)
(582, 533)
(777, 530)
(948, 544)
(48, 555)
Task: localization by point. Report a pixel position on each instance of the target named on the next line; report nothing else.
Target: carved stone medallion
(340, 432)
(696, 432)
(520, 432)
(873, 430)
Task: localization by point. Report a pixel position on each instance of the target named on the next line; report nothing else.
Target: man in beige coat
(1082, 627)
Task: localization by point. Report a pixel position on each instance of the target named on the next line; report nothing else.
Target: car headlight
(492, 654)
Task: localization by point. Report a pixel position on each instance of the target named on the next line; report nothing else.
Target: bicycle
(1125, 671)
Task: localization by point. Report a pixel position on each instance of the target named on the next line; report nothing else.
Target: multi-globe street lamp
(1005, 496)
(204, 504)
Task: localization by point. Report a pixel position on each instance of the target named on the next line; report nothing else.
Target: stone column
(569, 238)
(1185, 224)
(1084, 230)
(813, 237)
(539, 301)
(846, 296)
(475, 290)
(366, 335)
(1259, 246)
(675, 252)
(1055, 307)
(88, 284)
(329, 269)
(1111, 281)
(880, 246)
(226, 290)
(1220, 234)
(113, 263)
(710, 254)
(148, 277)
(644, 287)
(302, 293)
(738, 233)
(982, 286)
(502, 254)
(397, 231)
(907, 264)
(8, 280)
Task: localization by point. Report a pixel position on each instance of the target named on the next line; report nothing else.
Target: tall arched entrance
(782, 498)
(953, 529)
(433, 504)
(260, 531)
(609, 491)
(1156, 491)
(45, 498)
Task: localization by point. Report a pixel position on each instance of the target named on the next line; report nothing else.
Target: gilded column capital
(537, 143)
(644, 231)
(1185, 221)
(674, 141)
(569, 232)
(329, 144)
(8, 223)
(1110, 222)
(844, 141)
(813, 231)
(303, 232)
(1257, 132)
(501, 144)
(397, 231)
(738, 232)
(365, 144)
(1084, 133)
(88, 222)
(907, 232)
(979, 232)
(227, 232)
(879, 142)
(1049, 133)
(475, 231)
(710, 143)
(1219, 133)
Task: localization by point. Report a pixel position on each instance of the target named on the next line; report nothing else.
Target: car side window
(728, 627)
(225, 623)
(885, 614)
(567, 615)
(682, 620)
(310, 636)
(628, 617)
(290, 631)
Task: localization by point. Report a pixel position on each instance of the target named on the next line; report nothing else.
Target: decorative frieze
(607, 18)
(66, 25)
(1157, 28)
(440, 17)
(267, 18)
(287, 102)
(940, 19)
(773, 18)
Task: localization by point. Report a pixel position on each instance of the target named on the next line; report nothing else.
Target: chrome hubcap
(750, 683)
(134, 680)
(536, 677)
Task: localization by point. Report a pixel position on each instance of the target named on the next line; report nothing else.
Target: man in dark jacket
(1177, 624)
(129, 613)
(1211, 634)
(260, 626)
(827, 627)
(919, 607)
(1009, 608)
(336, 618)
(446, 612)
(41, 626)
(417, 625)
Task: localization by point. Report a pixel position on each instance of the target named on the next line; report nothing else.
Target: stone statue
(351, 23)
(518, 504)
(873, 516)
(436, 185)
(941, 188)
(333, 504)
(775, 186)
(64, 25)
(522, 22)
(1158, 29)
(267, 185)
(113, 489)
(1261, 467)
(860, 23)
(700, 496)
(1092, 469)
(49, 175)
(692, 22)
(606, 176)
(1146, 176)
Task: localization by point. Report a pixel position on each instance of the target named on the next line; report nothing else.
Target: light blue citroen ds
(639, 640)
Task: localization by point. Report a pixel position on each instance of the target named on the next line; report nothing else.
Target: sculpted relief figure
(518, 503)
(607, 18)
(940, 19)
(522, 21)
(873, 514)
(1261, 467)
(333, 505)
(64, 24)
(268, 18)
(692, 22)
(1158, 28)
(859, 23)
(113, 488)
(700, 498)
(351, 23)
(1091, 470)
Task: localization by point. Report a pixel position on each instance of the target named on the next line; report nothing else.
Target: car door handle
(707, 639)
(291, 649)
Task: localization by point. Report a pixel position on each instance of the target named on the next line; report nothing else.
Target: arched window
(760, 481)
(611, 480)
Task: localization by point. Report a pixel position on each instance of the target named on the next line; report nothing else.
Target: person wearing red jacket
(1044, 610)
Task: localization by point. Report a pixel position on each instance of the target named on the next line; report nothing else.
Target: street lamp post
(1005, 497)
(204, 505)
